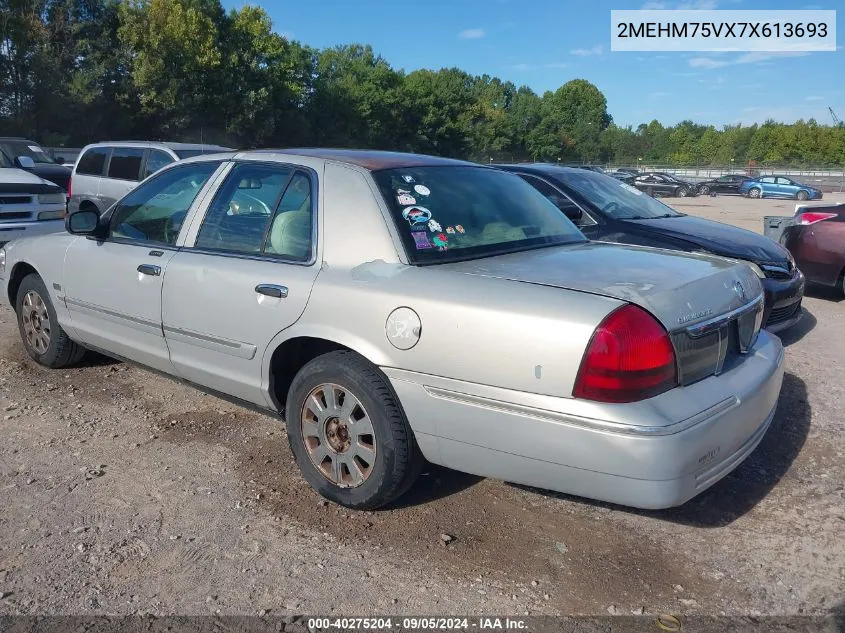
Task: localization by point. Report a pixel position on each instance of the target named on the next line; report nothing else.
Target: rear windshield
(450, 213)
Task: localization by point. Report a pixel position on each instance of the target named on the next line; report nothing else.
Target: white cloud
(556, 65)
(587, 52)
(472, 34)
(813, 98)
(659, 95)
(756, 57)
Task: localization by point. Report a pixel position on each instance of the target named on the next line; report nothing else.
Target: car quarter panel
(485, 331)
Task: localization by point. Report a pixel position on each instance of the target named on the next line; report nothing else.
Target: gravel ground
(123, 492)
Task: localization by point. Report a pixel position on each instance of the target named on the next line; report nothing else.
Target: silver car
(397, 308)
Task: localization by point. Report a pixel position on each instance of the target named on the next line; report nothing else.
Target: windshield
(10, 150)
(449, 213)
(615, 198)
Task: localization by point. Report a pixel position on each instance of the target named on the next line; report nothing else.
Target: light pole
(639, 158)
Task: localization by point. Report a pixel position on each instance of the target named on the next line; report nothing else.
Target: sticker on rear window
(407, 178)
(422, 190)
(625, 185)
(434, 225)
(405, 199)
(421, 240)
(416, 215)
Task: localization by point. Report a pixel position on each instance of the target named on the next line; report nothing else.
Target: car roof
(165, 144)
(549, 169)
(372, 160)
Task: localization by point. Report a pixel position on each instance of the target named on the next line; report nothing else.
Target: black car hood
(715, 237)
(58, 174)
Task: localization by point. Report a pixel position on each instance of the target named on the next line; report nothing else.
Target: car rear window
(92, 161)
(448, 213)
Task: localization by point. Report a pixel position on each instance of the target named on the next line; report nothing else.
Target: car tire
(704, 190)
(43, 338)
(802, 195)
(683, 192)
(363, 474)
(755, 192)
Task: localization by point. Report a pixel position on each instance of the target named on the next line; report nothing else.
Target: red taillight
(811, 218)
(69, 187)
(629, 358)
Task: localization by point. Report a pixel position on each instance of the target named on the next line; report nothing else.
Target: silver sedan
(399, 308)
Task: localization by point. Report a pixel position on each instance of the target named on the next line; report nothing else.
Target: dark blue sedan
(608, 210)
(778, 187)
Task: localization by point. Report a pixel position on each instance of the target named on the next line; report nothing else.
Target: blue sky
(544, 43)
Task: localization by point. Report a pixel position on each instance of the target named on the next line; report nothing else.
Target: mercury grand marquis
(397, 308)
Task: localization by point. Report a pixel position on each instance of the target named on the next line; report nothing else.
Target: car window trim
(202, 211)
(584, 212)
(147, 243)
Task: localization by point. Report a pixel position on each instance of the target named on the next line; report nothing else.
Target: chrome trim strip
(706, 327)
(137, 323)
(589, 423)
(224, 346)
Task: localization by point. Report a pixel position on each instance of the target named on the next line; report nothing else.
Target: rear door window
(125, 163)
(92, 162)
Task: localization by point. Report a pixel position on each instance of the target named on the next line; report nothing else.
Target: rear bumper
(14, 230)
(783, 302)
(697, 434)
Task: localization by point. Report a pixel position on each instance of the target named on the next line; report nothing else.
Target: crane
(836, 120)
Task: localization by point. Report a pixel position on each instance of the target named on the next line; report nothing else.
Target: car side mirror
(84, 222)
(569, 210)
(60, 160)
(25, 162)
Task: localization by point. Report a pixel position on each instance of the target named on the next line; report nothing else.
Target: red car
(816, 239)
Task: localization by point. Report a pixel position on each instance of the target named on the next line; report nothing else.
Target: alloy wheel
(338, 435)
(36, 322)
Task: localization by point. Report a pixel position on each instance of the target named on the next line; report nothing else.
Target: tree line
(78, 71)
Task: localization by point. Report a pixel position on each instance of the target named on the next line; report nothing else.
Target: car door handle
(272, 290)
(149, 269)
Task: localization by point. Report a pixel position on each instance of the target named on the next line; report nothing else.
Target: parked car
(29, 205)
(663, 185)
(29, 155)
(607, 210)
(105, 172)
(816, 238)
(778, 187)
(729, 183)
(397, 307)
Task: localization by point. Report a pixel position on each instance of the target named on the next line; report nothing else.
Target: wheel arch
(290, 351)
(19, 272)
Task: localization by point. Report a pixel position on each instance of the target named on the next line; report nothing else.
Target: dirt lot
(122, 492)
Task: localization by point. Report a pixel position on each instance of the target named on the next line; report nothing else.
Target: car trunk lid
(680, 289)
